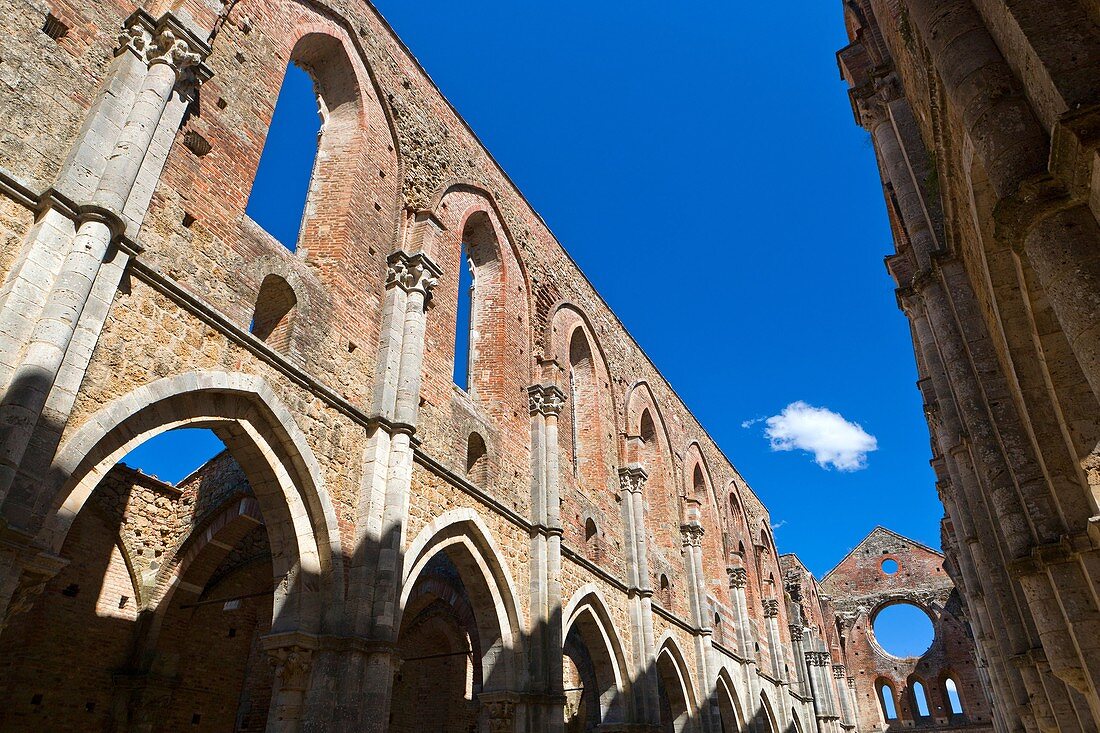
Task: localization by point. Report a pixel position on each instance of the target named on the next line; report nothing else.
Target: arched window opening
(464, 323)
(698, 483)
(591, 539)
(886, 698)
(279, 192)
(477, 460)
(920, 698)
(582, 394)
(480, 286)
(665, 592)
(647, 431)
(953, 698)
(271, 320)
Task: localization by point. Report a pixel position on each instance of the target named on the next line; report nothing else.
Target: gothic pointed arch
(676, 691)
(265, 440)
(596, 659)
(459, 545)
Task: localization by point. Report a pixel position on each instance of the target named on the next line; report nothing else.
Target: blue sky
(701, 165)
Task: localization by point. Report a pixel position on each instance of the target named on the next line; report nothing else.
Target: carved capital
(691, 534)
(412, 273)
(851, 683)
(545, 399)
(796, 632)
(771, 608)
(632, 478)
(500, 708)
(818, 659)
(739, 577)
(292, 665)
(165, 41)
(839, 672)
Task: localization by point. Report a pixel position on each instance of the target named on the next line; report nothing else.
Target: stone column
(170, 53)
(739, 578)
(546, 644)
(632, 480)
(771, 620)
(819, 664)
(691, 540)
(797, 633)
(841, 685)
(363, 670)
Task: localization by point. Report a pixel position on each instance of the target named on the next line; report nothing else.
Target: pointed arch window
(278, 198)
(953, 698)
(886, 699)
(481, 290)
(314, 144)
(465, 321)
(920, 698)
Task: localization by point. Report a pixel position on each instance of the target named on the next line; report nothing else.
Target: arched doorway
(593, 667)
(458, 629)
(674, 691)
(156, 622)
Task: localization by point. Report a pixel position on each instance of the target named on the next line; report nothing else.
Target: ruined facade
(983, 115)
(557, 545)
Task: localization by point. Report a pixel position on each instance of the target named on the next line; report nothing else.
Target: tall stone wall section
(983, 119)
(355, 532)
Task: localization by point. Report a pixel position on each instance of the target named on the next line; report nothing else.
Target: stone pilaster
(38, 331)
(632, 479)
(376, 572)
(546, 402)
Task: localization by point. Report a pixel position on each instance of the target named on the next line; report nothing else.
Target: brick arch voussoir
(267, 443)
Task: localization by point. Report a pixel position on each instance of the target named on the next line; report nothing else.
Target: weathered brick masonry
(558, 546)
(984, 117)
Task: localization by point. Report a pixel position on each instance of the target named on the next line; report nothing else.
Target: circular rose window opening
(903, 630)
(889, 566)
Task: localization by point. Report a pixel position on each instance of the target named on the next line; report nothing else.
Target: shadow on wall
(228, 603)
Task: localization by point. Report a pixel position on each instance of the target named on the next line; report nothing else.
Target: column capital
(412, 273)
(818, 659)
(797, 632)
(632, 477)
(164, 41)
(545, 399)
(739, 577)
(839, 672)
(771, 608)
(691, 534)
(292, 665)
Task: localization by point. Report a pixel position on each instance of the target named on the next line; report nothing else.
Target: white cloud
(778, 524)
(834, 441)
(750, 423)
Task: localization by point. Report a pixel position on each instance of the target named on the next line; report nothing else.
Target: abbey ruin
(983, 115)
(549, 541)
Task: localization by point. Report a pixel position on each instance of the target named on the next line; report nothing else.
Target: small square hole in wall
(188, 220)
(122, 601)
(222, 104)
(89, 707)
(70, 590)
(232, 633)
(36, 699)
(196, 718)
(54, 28)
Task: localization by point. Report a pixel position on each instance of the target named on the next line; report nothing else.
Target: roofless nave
(555, 546)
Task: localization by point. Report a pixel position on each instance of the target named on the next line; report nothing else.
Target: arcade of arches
(550, 543)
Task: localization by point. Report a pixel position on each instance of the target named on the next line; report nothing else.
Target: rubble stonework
(557, 546)
(983, 116)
